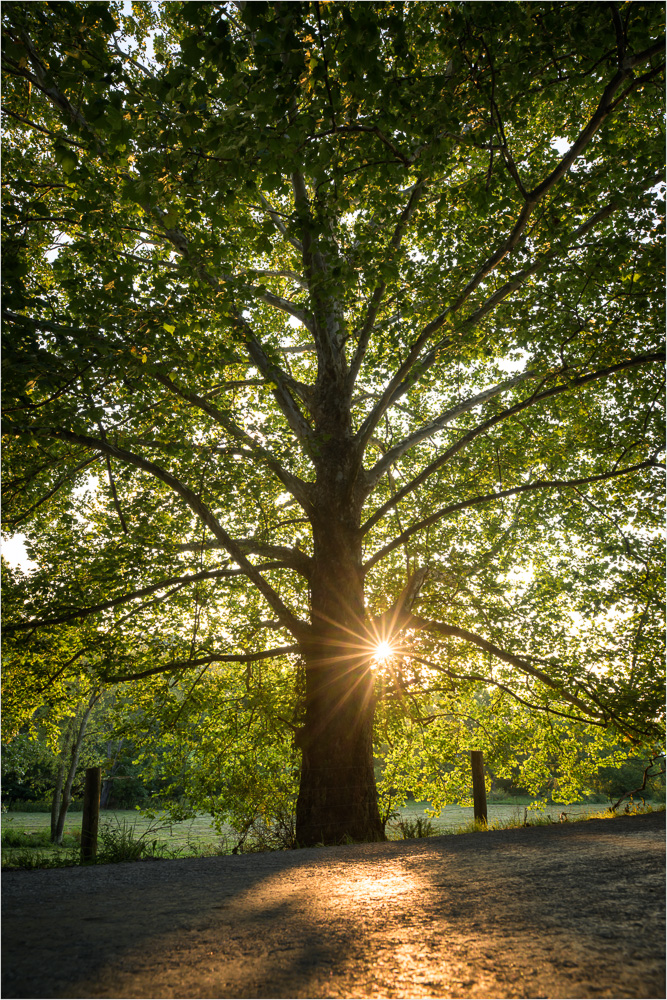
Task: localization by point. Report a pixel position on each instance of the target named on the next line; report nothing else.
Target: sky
(13, 549)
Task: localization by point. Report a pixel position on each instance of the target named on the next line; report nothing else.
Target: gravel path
(575, 910)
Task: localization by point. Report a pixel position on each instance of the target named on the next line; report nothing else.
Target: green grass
(26, 835)
(511, 811)
(127, 835)
(504, 816)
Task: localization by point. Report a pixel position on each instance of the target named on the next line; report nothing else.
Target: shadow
(569, 910)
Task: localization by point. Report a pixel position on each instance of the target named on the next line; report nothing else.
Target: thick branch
(296, 486)
(496, 419)
(394, 618)
(378, 470)
(640, 788)
(282, 386)
(279, 224)
(202, 661)
(198, 507)
(69, 616)
(409, 376)
(516, 661)
(604, 108)
(40, 78)
(378, 294)
(294, 558)
(292, 275)
(542, 484)
(327, 318)
(547, 708)
(284, 305)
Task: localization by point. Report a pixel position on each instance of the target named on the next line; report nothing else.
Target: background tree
(349, 316)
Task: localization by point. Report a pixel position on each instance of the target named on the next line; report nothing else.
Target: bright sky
(13, 549)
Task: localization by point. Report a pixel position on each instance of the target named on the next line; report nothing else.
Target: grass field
(190, 834)
(454, 817)
(199, 836)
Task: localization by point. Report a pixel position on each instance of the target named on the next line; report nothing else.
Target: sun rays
(382, 653)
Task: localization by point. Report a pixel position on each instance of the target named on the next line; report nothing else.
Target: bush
(118, 841)
(36, 838)
(21, 838)
(412, 829)
(38, 805)
(28, 858)
(276, 834)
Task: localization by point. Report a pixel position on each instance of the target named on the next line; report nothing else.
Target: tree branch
(501, 494)
(516, 661)
(281, 392)
(409, 376)
(548, 709)
(201, 661)
(393, 619)
(279, 224)
(47, 496)
(93, 609)
(294, 558)
(391, 456)
(378, 294)
(292, 275)
(498, 418)
(296, 486)
(198, 507)
(641, 787)
(513, 239)
(283, 304)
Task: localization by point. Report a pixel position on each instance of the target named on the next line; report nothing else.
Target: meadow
(26, 833)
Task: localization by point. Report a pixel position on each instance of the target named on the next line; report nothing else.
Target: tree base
(337, 805)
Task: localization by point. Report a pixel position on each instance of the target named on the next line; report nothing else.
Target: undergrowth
(517, 822)
(411, 829)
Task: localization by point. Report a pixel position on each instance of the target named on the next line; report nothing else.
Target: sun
(383, 651)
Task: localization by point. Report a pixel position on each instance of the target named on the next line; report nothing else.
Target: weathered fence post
(91, 813)
(478, 786)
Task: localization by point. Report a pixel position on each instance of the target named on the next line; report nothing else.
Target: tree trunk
(66, 799)
(75, 752)
(337, 795)
(56, 799)
(107, 784)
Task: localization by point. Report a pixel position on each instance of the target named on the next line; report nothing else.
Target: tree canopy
(328, 324)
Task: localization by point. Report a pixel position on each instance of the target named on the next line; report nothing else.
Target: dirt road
(564, 911)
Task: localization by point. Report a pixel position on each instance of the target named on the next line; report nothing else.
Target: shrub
(118, 841)
(38, 806)
(411, 829)
(275, 834)
(36, 838)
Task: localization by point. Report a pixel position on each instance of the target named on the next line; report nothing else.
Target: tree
(349, 312)
(44, 756)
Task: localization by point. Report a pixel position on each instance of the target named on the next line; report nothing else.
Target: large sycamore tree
(330, 325)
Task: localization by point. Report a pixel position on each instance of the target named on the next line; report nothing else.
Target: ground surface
(573, 910)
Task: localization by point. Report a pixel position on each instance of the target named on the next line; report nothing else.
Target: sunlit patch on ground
(508, 914)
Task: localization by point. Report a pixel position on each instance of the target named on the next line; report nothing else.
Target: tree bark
(75, 752)
(337, 799)
(56, 799)
(66, 795)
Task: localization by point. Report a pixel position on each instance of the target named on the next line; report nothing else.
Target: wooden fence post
(478, 786)
(91, 813)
